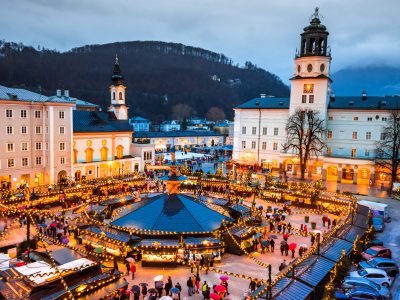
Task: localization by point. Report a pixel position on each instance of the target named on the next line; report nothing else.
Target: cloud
(265, 32)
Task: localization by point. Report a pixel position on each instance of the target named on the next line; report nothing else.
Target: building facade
(172, 125)
(36, 138)
(140, 124)
(353, 124)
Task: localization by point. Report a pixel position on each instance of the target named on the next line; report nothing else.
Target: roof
(240, 208)
(193, 241)
(183, 133)
(176, 213)
(368, 103)
(60, 254)
(296, 290)
(159, 242)
(139, 119)
(118, 236)
(78, 102)
(97, 121)
(7, 93)
(353, 232)
(333, 249)
(314, 270)
(266, 103)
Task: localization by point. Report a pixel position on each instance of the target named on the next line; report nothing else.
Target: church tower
(117, 91)
(310, 86)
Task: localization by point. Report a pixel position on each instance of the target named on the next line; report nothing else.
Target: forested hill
(164, 80)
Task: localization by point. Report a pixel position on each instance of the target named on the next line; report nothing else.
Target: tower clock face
(309, 67)
(322, 67)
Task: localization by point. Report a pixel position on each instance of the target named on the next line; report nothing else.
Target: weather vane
(316, 14)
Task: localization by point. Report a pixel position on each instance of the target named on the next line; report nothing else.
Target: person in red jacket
(133, 270)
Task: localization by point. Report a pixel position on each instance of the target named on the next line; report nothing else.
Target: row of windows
(38, 146)
(264, 130)
(25, 161)
(38, 114)
(354, 135)
(38, 130)
(148, 155)
(310, 99)
(355, 118)
(353, 152)
(263, 145)
(103, 153)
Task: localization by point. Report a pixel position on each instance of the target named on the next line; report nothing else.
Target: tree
(387, 149)
(215, 114)
(305, 132)
(181, 111)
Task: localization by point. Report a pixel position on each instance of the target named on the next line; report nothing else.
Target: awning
(361, 221)
(352, 233)
(315, 273)
(296, 290)
(333, 249)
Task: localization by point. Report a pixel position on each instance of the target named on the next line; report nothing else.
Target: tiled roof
(368, 102)
(265, 103)
(97, 121)
(181, 133)
(177, 213)
(7, 93)
(139, 119)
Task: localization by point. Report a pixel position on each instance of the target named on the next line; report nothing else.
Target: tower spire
(116, 59)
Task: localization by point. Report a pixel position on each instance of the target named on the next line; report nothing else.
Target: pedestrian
(207, 293)
(305, 229)
(133, 270)
(329, 223)
(301, 228)
(168, 285)
(191, 263)
(204, 288)
(323, 221)
(252, 285)
(282, 265)
(144, 291)
(334, 223)
(312, 239)
(282, 248)
(272, 244)
(159, 286)
(301, 249)
(286, 249)
(128, 267)
(293, 249)
(197, 283)
(179, 287)
(225, 284)
(289, 227)
(189, 284)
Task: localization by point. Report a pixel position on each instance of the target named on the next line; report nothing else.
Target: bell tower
(310, 85)
(117, 92)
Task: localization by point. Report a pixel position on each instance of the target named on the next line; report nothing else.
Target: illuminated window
(75, 155)
(353, 153)
(354, 135)
(89, 154)
(10, 163)
(104, 153)
(382, 176)
(329, 134)
(308, 88)
(364, 173)
(120, 151)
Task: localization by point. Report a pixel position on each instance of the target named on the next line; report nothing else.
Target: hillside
(375, 80)
(158, 76)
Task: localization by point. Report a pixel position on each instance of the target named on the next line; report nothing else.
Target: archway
(363, 176)
(89, 154)
(347, 173)
(120, 151)
(78, 175)
(331, 173)
(62, 176)
(104, 153)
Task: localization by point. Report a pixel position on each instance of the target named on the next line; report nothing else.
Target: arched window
(104, 153)
(113, 95)
(75, 156)
(89, 154)
(120, 151)
(120, 96)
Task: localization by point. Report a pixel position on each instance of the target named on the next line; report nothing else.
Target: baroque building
(353, 124)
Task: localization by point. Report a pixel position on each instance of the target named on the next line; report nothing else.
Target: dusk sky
(362, 32)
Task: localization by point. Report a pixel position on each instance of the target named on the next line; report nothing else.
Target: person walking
(272, 244)
(189, 284)
(286, 249)
(133, 270)
(312, 239)
(168, 285)
(282, 248)
(128, 267)
(197, 284)
(329, 223)
(204, 288)
(159, 286)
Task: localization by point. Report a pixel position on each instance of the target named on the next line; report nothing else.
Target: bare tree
(387, 149)
(305, 136)
(181, 111)
(215, 114)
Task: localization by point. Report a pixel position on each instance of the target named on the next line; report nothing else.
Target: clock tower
(117, 92)
(310, 85)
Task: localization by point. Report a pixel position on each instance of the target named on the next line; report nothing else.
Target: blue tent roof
(333, 249)
(316, 271)
(176, 213)
(296, 290)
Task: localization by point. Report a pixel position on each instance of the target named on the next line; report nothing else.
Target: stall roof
(361, 221)
(352, 233)
(174, 213)
(120, 236)
(296, 290)
(116, 200)
(333, 249)
(199, 241)
(240, 208)
(216, 201)
(60, 254)
(316, 271)
(160, 242)
(362, 210)
(241, 231)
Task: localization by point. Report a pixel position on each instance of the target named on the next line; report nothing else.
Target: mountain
(164, 80)
(375, 80)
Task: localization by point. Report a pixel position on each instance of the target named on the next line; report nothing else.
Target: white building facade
(353, 124)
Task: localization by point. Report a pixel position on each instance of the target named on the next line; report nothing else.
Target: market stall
(197, 247)
(159, 252)
(244, 238)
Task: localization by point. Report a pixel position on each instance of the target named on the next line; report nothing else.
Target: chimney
(66, 93)
(58, 93)
(263, 95)
(333, 97)
(364, 95)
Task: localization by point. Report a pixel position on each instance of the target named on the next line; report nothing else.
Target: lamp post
(27, 193)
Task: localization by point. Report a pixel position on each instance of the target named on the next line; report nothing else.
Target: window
(9, 113)
(23, 113)
(38, 146)
(369, 119)
(113, 96)
(38, 130)
(61, 114)
(382, 136)
(10, 163)
(366, 152)
(355, 118)
(253, 145)
(120, 96)
(330, 118)
(62, 130)
(243, 130)
(24, 130)
(304, 99)
(24, 146)
(243, 144)
(329, 134)
(10, 147)
(62, 146)
(62, 160)
(308, 88)
(9, 130)
(275, 146)
(368, 135)
(253, 130)
(89, 154)
(354, 135)
(24, 161)
(37, 114)
(38, 160)
(276, 131)
(264, 145)
(47, 129)
(120, 151)
(147, 155)
(384, 119)
(353, 153)
(328, 151)
(264, 130)
(311, 99)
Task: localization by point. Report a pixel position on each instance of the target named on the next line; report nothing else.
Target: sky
(265, 32)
